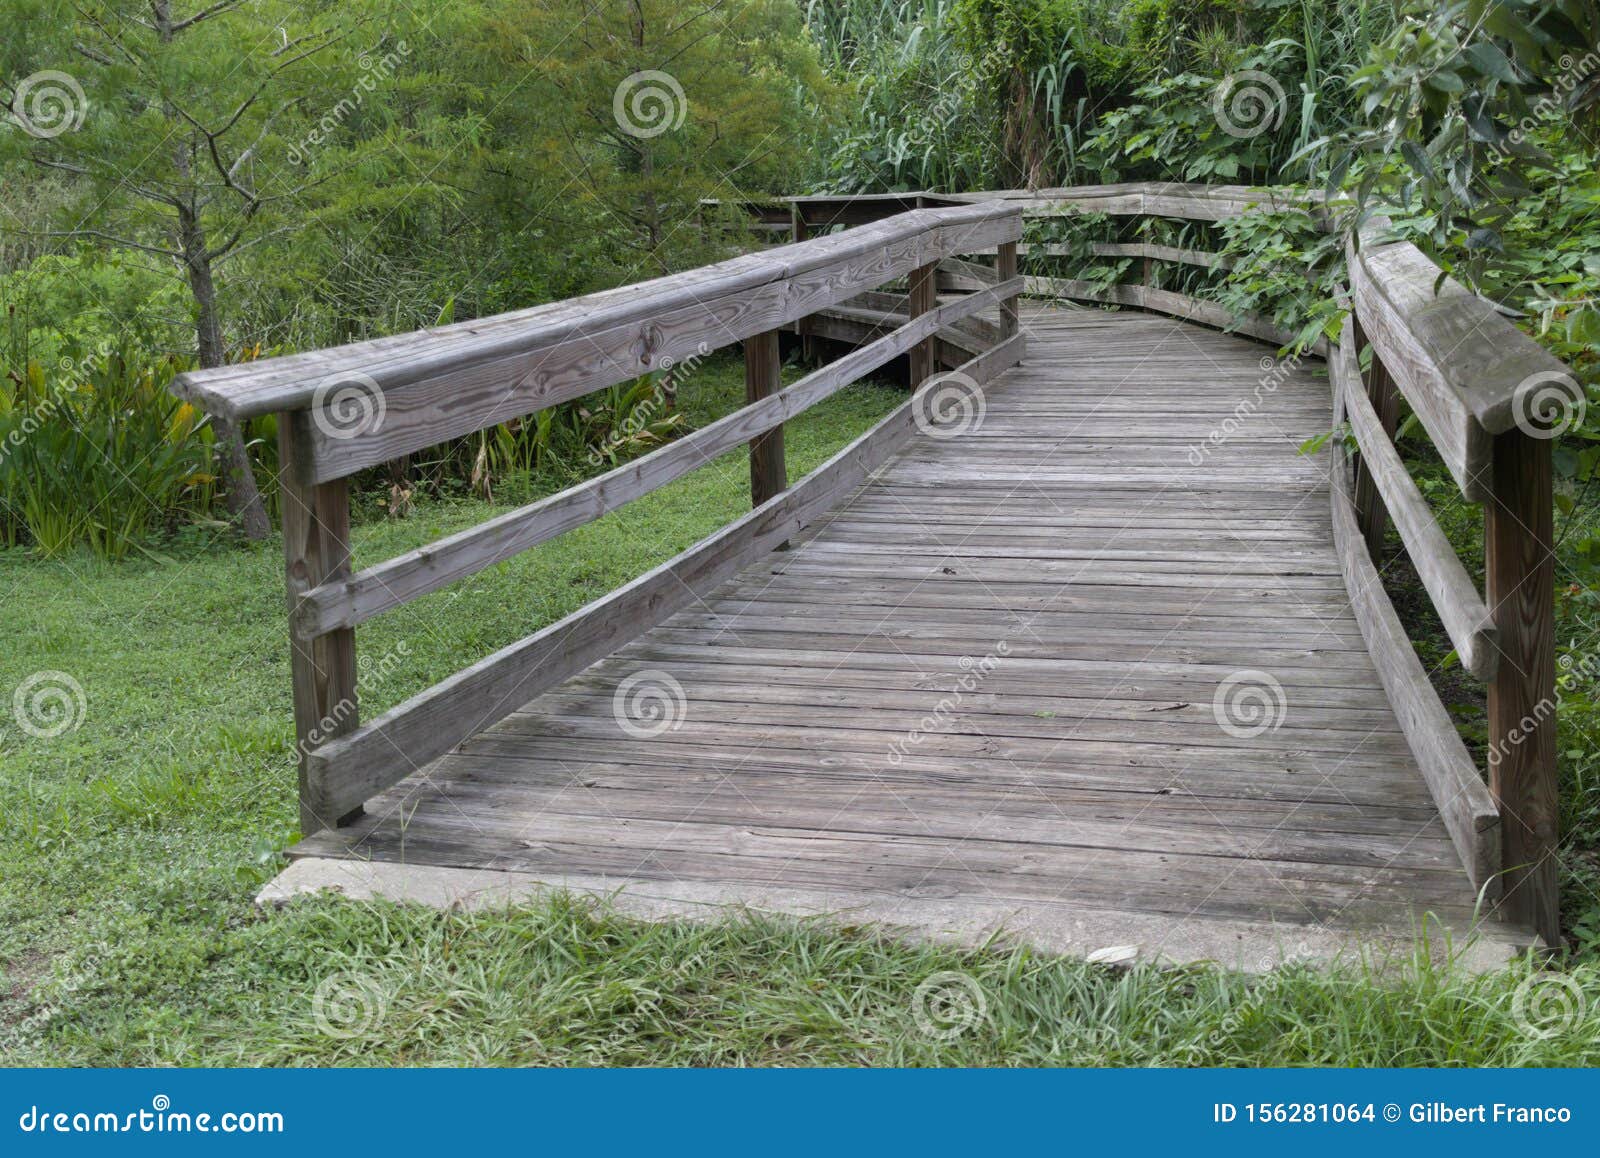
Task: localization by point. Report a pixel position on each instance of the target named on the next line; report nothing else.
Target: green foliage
(1287, 269)
(74, 305)
(99, 455)
(1457, 93)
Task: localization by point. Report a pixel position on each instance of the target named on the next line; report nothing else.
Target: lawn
(132, 843)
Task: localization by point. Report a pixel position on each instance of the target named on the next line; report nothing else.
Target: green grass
(130, 848)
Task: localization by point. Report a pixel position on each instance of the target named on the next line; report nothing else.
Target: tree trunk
(241, 493)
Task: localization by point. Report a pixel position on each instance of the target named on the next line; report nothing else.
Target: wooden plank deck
(984, 693)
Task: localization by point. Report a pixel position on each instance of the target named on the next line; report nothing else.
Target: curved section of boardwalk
(1018, 680)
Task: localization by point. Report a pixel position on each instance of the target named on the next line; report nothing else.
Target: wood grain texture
(440, 384)
(840, 724)
(322, 671)
(763, 377)
(1457, 787)
(1461, 608)
(1439, 342)
(353, 599)
(355, 767)
(1520, 569)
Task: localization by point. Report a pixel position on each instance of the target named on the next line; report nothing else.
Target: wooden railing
(1466, 372)
(1473, 380)
(800, 217)
(346, 409)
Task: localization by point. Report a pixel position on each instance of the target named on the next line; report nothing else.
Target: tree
(181, 128)
(631, 113)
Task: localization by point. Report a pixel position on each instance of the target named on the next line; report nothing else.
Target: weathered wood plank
(763, 377)
(1393, 289)
(353, 768)
(1464, 802)
(354, 599)
(438, 385)
(316, 549)
(1520, 567)
(1465, 616)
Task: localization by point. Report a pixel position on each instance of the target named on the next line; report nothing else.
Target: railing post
(924, 296)
(1005, 266)
(763, 375)
(801, 232)
(1370, 515)
(316, 549)
(1520, 568)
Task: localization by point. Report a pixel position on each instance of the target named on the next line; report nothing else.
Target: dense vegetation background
(188, 183)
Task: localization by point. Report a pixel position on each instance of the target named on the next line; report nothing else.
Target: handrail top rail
(1458, 338)
(297, 381)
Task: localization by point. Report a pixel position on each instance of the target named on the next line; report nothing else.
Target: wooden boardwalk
(1087, 671)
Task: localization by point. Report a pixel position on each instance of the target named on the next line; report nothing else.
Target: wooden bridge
(1079, 642)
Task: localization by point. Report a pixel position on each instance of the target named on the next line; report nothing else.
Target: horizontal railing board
(1464, 802)
(1457, 361)
(1469, 346)
(459, 402)
(290, 382)
(348, 771)
(390, 584)
(1145, 249)
(1150, 198)
(1461, 608)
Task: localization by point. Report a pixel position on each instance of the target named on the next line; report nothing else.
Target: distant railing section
(345, 409)
(807, 215)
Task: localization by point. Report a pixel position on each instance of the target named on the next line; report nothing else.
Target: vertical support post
(800, 231)
(1005, 266)
(1370, 513)
(316, 549)
(924, 297)
(1520, 568)
(763, 375)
